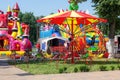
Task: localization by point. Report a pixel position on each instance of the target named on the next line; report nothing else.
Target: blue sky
(43, 7)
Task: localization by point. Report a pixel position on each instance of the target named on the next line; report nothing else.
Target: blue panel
(43, 46)
(88, 40)
(47, 33)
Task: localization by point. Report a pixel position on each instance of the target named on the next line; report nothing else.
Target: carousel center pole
(72, 36)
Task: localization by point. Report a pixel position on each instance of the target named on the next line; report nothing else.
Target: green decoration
(93, 48)
(70, 7)
(73, 6)
(21, 30)
(76, 7)
(85, 56)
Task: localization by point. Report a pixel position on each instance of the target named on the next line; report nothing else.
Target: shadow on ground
(24, 74)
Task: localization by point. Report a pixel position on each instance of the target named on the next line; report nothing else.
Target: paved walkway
(8, 72)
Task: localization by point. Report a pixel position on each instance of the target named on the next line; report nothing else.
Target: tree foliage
(79, 1)
(117, 29)
(109, 9)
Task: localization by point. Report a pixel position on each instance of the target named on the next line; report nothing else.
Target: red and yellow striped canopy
(71, 17)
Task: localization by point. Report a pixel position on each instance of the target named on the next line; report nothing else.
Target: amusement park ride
(85, 38)
(13, 34)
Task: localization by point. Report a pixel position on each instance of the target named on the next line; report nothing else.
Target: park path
(8, 72)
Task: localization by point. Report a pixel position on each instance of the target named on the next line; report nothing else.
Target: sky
(44, 7)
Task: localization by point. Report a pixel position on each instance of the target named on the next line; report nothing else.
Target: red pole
(72, 36)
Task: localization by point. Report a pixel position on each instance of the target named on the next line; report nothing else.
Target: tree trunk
(111, 36)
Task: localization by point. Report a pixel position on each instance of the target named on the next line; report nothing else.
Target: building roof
(50, 38)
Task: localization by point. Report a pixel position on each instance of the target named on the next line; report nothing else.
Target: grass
(53, 67)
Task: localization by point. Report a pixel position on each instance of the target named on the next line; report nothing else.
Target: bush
(65, 68)
(112, 67)
(75, 69)
(103, 68)
(119, 67)
(61, 70)
(84, 69)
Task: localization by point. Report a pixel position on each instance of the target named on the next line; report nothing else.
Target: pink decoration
(53, 35)
(3, 21)
(46, 27)
(3, 32)
(8, 23)
(26, 44)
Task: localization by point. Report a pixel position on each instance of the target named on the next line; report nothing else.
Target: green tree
(104, 27)
(20, 16)
(80, 1)
(117, 29)
(29, 19)
(39, 26)
(109, 9)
